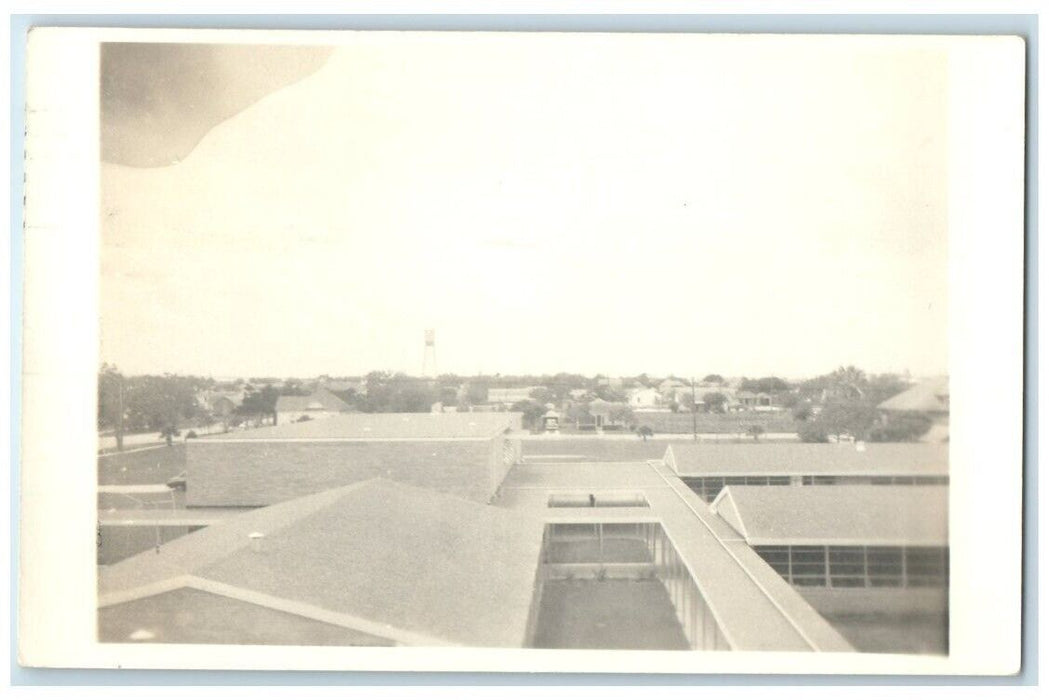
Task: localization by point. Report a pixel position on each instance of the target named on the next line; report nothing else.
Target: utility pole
(695, 436)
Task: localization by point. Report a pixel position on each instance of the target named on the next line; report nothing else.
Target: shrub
(812, 433)
(755, 431)
(803, 412)
(191, 434)
(901, 427)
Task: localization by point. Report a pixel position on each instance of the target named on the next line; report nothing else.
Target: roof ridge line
(314, 612)
(793, 623)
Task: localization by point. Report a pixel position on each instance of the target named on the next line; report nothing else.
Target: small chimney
(257, 539)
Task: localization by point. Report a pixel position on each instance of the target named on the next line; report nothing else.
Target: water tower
(429, 353)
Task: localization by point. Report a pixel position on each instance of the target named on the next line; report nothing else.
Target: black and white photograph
(549, 341)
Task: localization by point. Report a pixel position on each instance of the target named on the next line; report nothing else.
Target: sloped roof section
(930, 396)
(321, 399)
(379, 551)
(384, 426)
(778, 459)
(837, 515)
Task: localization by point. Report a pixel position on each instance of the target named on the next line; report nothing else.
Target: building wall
(259, 473)
(504, 452)
(865, 580)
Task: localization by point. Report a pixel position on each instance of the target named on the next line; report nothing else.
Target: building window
(615, 499)
(808, 566)
(926, 566)
(859, 567)
(930, 480)
(885, 567)
(847, 568)
(776, 557)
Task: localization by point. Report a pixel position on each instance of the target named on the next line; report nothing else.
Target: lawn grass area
(612, 614)
(893, 634)
(151, 466)
(596, 449)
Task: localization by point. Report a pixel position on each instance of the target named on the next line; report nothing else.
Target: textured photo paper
(522, 351)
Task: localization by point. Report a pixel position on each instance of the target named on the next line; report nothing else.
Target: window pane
(808, 566)
(776, 557)
(926, 566)
(846, 561)
(885, 566)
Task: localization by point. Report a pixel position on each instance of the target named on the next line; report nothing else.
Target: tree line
(840, 403)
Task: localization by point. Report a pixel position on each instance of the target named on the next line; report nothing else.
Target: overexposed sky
(608, 204)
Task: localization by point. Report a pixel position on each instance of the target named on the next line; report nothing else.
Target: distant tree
(850, 382)
(303, 418)
(803, 412)
(644, 432)
(622, 413)
(561, 384)
(542, 395)
(884, 386)
(906, 426)
(260, 403)
(111, 402)
(766, 385)
(533, 413)
(714, 379)
(810, 432)
(755, 431)
(349, 395)
(155, 402)
(448, 395)
(715, 402)
(377, 392)
(844, 383)
(204, 418)
(169, 432)
(607, 393)
(578, 413)
(411, 395)
(839, 418)
(293, 387)
(477, 391)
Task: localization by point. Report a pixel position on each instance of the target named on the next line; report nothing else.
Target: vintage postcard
(523, 351)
